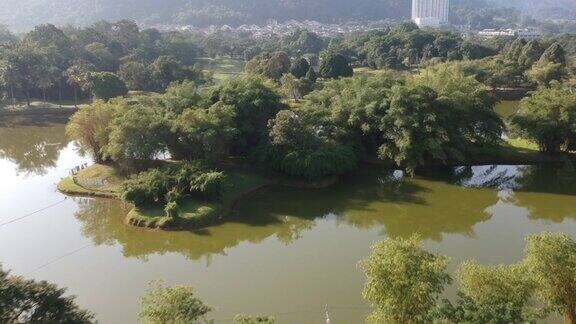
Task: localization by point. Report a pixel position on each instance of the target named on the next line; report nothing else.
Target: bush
(310, 164)
(335, 66)
(169, 184)
(172, 210)
(209, 184)
(106, 85)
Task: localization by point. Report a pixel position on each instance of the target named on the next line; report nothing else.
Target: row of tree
(102, 60)
(404, 283)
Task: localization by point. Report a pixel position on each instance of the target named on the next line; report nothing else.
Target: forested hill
(24, 14)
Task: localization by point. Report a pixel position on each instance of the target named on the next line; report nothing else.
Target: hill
(21, 15)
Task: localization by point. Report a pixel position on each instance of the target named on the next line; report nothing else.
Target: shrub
(172, 209)
(208, 184)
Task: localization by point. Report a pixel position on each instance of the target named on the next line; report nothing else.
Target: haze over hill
(23, 14)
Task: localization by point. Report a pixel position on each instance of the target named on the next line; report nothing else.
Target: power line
(32, 213)
(58, 259)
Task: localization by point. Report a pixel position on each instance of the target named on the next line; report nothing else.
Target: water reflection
(546, 192)
(103, 221)
(32, 146)
(433, 204)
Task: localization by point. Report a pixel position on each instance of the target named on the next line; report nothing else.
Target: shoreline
(203, 214)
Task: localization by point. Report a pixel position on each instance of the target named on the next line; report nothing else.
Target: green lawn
(221, 67)
(96, 180)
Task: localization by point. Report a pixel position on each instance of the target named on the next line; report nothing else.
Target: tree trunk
(60, 92)
(12, 95)
(569, 316)
(75, 97)
(44, 96)
(27, 92)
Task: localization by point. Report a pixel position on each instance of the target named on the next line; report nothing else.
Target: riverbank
(104, 181)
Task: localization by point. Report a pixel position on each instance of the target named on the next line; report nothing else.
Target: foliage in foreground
(28, 301)
(404, 281)
(164, 304)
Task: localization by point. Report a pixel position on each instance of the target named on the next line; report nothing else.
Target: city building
(526, 33)
(430, 13)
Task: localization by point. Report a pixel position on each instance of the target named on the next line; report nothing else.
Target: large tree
(335, 65)
(548, 117)
(403, 281)
(106, 85)
(492, 294)
(89, 127)
(551, 263)
(178, 304)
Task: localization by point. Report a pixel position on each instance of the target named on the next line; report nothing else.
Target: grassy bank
(104, 181)
(96, 181)
(195, 213)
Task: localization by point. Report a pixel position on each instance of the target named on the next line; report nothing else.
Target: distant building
(526, 33)
(430, 13)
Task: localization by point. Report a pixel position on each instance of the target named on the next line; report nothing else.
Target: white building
(430, 13)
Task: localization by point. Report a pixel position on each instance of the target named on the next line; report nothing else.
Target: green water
(286, 252)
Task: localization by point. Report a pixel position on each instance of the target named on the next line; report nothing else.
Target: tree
(530, 54)
(255, 101)
(28, 301)
(294, 88)
(167, 69)
(205, 133)
(99, 55)
(548, 117)
(272, 66)
(106, 85)
(137, 134)
(163, 304)
(543, 73)
(403, 281)
(89, 127)
(6, 37)
(78, 77)
(551, 262)
(334, 66)
(311, 75)
(25, 65)
(492, 294)
(554, 54)
(299, 68)
(137, 76)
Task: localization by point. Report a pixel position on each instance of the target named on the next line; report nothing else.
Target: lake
(286, 252)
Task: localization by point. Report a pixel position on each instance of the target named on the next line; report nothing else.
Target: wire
(58, 259)
(32, 213)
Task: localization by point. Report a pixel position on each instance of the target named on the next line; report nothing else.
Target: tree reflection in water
(33, 147)
(433, 204)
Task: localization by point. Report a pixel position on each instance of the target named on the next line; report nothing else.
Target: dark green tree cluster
(28, 301)
(404, 282)
(104, 60)
(548, 118)
(405, 45)
(435, 117)
(169, 184)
